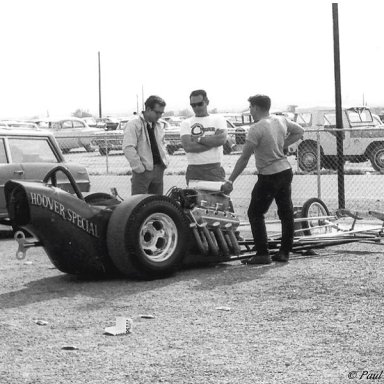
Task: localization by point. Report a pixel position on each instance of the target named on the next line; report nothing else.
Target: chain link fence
(314, 162)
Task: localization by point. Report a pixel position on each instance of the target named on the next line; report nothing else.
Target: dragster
(151, 236)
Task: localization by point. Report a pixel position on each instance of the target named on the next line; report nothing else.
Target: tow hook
(24, 244)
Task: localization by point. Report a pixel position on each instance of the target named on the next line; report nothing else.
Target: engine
(212, 220)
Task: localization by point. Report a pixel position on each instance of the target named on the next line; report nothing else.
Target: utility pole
(100, 113)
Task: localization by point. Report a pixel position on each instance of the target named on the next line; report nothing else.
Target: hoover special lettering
(67, 214)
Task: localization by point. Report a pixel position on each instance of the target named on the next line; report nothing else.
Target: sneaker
(260, 259)
(281, 257)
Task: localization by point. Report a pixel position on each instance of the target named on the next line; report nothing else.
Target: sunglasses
(200, 104)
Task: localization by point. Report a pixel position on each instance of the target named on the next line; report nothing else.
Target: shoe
(282, 257)
(260, 259)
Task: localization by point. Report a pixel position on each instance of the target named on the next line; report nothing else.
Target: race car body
(147, 236)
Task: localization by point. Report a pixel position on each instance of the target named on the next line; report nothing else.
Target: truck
(363, 138)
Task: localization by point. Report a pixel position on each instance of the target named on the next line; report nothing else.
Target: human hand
(227, 187)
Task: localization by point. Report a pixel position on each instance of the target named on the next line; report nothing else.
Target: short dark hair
(153, 100)
(262, 101)
(198, 92)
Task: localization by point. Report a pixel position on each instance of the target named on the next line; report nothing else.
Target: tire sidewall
(124, 234)
(305, 209)
(375, 163)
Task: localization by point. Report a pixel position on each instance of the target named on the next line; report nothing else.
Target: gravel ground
(313, 320)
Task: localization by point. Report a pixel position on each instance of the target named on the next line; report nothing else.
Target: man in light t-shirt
(268, 139)
(202, 137)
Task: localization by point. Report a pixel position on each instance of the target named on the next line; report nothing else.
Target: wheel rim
(379, 159)
(316, 210)
(158, 237)
(309, 160)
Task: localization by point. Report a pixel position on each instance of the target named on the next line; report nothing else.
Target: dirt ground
(317, 319)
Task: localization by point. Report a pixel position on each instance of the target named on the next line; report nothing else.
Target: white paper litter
(123, 325)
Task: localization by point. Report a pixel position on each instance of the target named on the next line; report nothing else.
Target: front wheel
(316, 209)
(377, 158)
(148, 236)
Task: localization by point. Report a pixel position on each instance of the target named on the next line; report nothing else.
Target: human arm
(191, 145)
(216, 140)
(240, 165)
(220, 136)
(295, 133)
(130, 140)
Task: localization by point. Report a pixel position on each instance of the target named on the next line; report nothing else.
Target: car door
(9, 169)
(39, 156)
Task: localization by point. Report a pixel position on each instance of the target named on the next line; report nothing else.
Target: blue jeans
(268, 188)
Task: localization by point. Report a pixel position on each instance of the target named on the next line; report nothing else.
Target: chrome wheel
(158, 237)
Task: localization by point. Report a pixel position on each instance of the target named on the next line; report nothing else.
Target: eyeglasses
(200, 104)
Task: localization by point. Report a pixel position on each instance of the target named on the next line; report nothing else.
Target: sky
(230, 48)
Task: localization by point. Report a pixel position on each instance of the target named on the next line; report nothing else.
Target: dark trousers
(148, 181)
(268, 188)
(207, 172)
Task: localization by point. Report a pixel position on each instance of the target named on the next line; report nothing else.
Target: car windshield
(31, 150)
(304, 119)
(359, 115)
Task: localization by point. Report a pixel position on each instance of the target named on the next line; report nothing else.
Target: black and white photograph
(191, 192)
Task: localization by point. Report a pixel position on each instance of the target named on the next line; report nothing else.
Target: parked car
(108, 123)
(90, 121)
(70, 133)
(31, 154)
(363, 138)
(113, 140)
(173, 121)
(20, 124)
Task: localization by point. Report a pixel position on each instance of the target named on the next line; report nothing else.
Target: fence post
(318, 164)
(339, 120)
(106, 154)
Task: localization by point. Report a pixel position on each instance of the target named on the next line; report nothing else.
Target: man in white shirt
(267, 139)
(203, 137)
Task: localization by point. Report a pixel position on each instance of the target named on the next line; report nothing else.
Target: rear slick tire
(148, 236)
